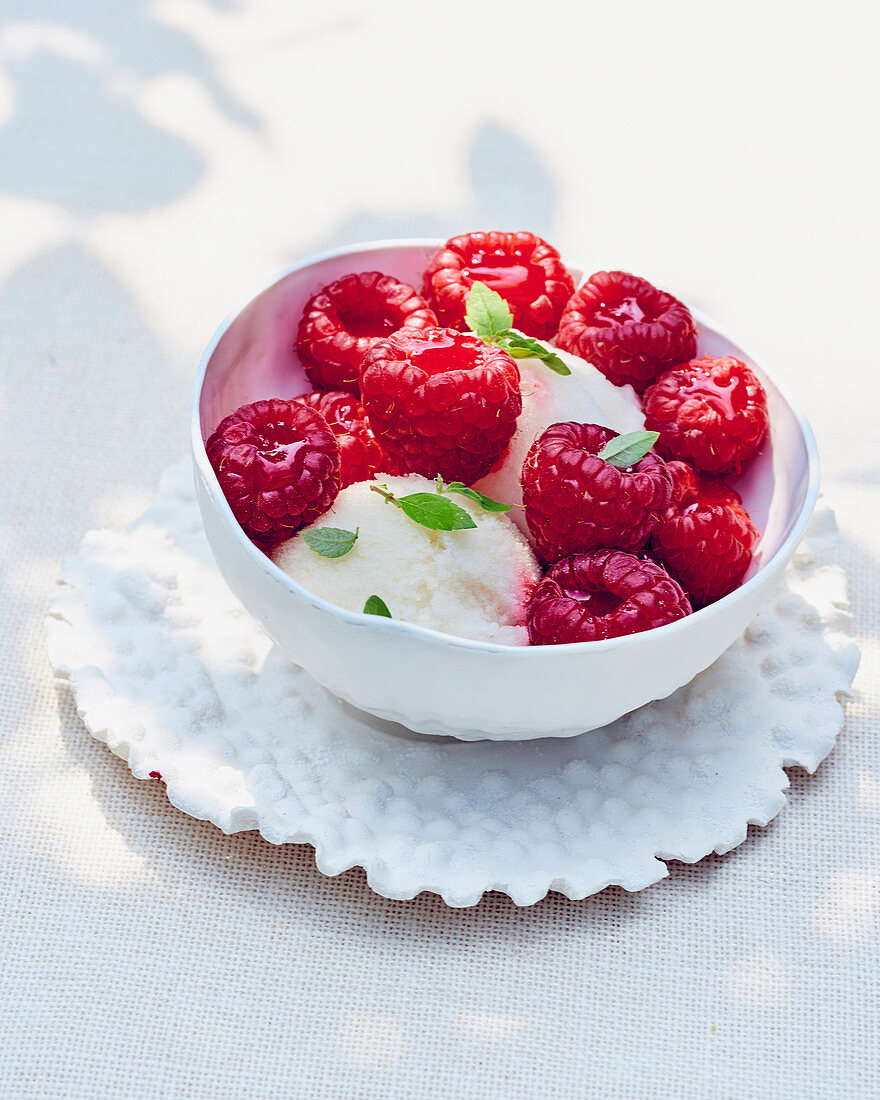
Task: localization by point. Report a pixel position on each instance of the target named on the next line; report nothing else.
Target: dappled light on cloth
(162, 159)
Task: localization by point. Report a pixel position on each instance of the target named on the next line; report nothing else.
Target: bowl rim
(403, 629)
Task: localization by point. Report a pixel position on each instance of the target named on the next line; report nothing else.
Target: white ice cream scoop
(472, 583)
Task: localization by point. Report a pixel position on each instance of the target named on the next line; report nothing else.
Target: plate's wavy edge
(61, 639)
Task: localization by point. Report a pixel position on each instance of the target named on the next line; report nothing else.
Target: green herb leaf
(435, 512)
(487, 314)
(330, 542)
(627, 450)
(486, 503)
(428, 509)
(525, 347)
(375, 605)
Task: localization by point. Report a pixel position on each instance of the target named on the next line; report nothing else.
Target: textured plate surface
(176, 678)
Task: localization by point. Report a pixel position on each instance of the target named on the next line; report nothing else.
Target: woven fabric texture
(158, 162)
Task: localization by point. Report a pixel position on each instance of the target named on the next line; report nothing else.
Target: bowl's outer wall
(435, 683)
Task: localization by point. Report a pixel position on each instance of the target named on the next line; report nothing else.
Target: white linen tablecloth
(158, 162)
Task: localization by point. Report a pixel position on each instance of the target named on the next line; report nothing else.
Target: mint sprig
(627, 450)
(330, 542)
(488, 316)
(525, 347)
(430, 510)
(486, 312)
(486, 503)
(375, 605)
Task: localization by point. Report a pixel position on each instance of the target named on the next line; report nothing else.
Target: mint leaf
(375, 605)
(330, 542)
(428, 509)
(627, 450)
(486, 503)
(525, 347)
(435, 512)
(487, 314)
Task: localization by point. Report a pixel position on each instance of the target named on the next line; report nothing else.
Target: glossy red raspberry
(627, 328)
(603, 594)
(347, 317)
(361, 453)
(526, 271)
(441, 402)
(709, 412)
(705, 537)
(575, 501)
(278, 466)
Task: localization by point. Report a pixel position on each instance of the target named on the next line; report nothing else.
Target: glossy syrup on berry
(344, 411)
(279, 441)
(511, 276)
(626, 311)
(445, 351)
(598, 602)
(368, 324)
(726, 396)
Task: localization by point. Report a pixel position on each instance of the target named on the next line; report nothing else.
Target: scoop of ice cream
(585, 395)
(473, 583)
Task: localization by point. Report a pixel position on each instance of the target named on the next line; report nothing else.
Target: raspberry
(710, 412)
(603, 594)
(278, 466)
(526, 271)
(627, 328)
(361, 454)
(705, 536)
(441, 402)
(576, 501)
(347, 317)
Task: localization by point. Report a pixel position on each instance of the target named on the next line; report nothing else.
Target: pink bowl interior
(253, 357)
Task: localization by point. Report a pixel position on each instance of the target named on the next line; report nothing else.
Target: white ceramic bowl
(432, 682)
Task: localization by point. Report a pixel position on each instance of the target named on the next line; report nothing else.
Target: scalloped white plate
(170, 671)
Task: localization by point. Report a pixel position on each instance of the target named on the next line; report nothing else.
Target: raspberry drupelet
(705, 537)
(709, 412)
(361, 454)
(627, 328)
(524, 269)
(602, 594)
(575, 501)
(347, 317)
(441, 402)
(277, 463)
